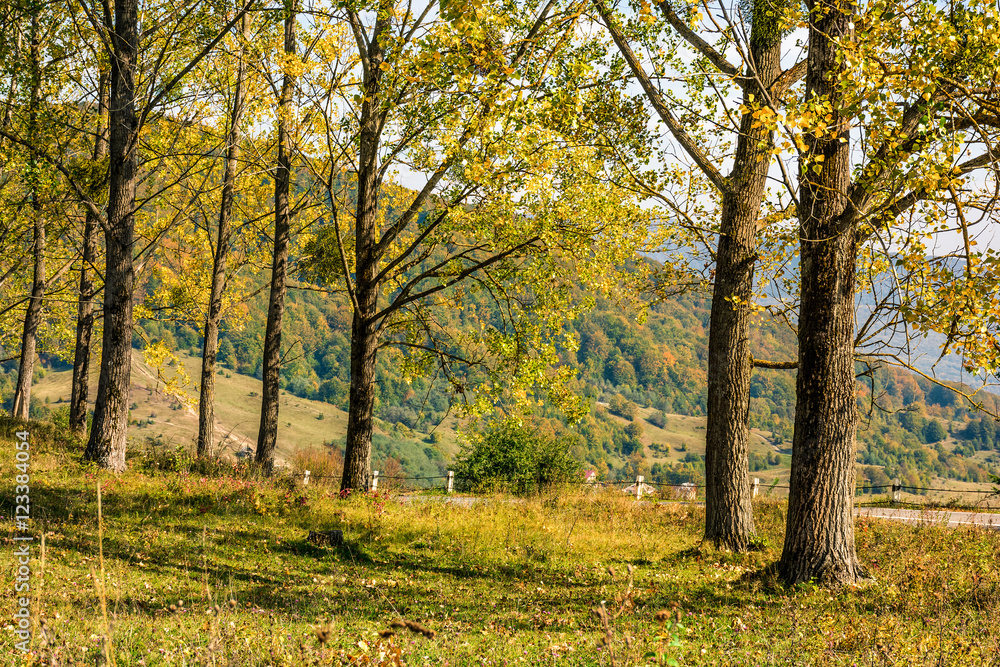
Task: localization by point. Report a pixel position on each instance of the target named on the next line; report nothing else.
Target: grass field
(213, 568)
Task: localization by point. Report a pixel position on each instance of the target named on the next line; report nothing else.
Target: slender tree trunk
(85, 307)
(364, 337)
(32, 318)
(728, 513)
(819, 536)
(33, 313)
(268, 435)
(107, 435)
(210, 349)
(360, 419)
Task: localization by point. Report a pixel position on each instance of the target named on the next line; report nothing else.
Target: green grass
(215, 569)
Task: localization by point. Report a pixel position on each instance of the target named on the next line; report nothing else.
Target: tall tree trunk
(268, 435)
(819, 536)
(728, 513)
(33, 313)
(32, 318)
(364, 336)
(107, 435)
(85, 308)
(210, 349)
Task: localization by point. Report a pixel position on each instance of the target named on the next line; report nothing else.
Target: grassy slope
(216, 570)
(237, 411)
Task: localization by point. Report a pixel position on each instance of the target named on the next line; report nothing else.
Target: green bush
(658, 419)
(621, 406)
(513, 457)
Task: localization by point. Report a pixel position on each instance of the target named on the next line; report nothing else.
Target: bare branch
(675, 127)
(695, 40)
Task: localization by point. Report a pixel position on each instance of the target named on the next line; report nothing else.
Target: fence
(640, 487)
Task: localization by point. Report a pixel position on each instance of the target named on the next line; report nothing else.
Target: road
(939, 517)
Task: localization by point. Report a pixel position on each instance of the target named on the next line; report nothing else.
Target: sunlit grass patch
(215, 568)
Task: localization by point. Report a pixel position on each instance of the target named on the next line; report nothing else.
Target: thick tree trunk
(107, 435)
(819, 536)
(85, 308)
(364, 336)
(33, 313)
(728, 513)
(267, 436)
(210, 349)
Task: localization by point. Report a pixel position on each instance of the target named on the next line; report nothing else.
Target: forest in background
(914, 429)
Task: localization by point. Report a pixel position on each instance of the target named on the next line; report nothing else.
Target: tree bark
(85, 307)
(819, 535)
(268, 434)
(33, 313)
(210, 348)
(364, 338)
(107, 436)
(728, 512)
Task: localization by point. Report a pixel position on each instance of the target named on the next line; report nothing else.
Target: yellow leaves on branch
(169, 371)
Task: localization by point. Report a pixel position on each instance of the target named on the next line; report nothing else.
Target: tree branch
(81, 195)
(399, 303)
(763, 363)
(194, 62)
(675, 127)
(788, 78)
(699, 44)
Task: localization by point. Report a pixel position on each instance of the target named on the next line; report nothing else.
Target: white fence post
(638, 487)
(896, 488)
(374, 480)
(451, 481)
(756, 486)
(305, 479)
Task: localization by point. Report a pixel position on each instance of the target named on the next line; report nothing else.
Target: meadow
(195, 564)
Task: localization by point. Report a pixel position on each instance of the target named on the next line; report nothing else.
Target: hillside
(160, 420)
(645, 383)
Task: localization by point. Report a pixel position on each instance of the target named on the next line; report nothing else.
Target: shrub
(517, 458)
(658, 419)
(934, 432)
(623, 407)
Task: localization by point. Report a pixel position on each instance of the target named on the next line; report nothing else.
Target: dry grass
(216, 570)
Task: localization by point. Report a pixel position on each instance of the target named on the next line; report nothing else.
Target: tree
(909, 159)
(510, 455)
(934, 432)
(85, 305)
(729, 518)
(210, 347)
(106, 445)
(33, 313)
(510, 206)
(819, 539)
(270, 395)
